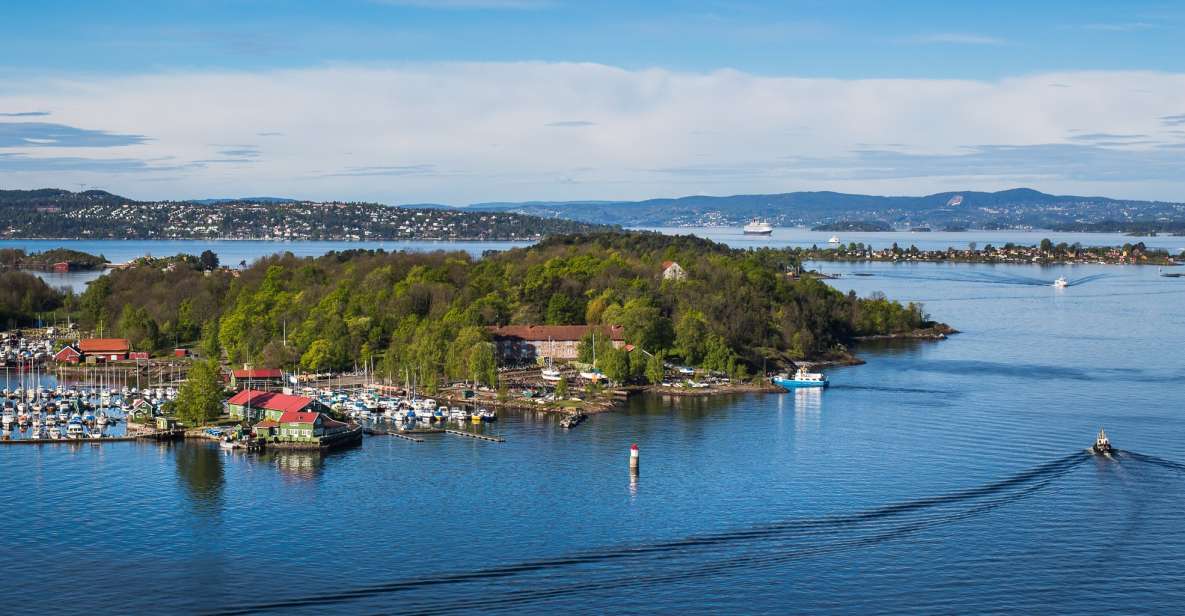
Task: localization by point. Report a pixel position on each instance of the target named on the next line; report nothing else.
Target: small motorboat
(1102, 446)
(1060, 283)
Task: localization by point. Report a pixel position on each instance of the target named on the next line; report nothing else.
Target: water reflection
(808, 408)
(302, 465)
(200, 469)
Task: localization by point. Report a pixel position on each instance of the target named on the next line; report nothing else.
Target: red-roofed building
(265, 428)
(523, 343)
(257, 378)
(673, 271)
(254, 405)
(68, 355)
(297, 428)
(105, 349)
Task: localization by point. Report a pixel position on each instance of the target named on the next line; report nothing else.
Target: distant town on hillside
(54, 213)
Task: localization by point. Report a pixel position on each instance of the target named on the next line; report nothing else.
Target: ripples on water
(938, 478)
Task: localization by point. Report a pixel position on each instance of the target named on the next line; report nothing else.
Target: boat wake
(895, 390)
(1161, 462)
(699, 555)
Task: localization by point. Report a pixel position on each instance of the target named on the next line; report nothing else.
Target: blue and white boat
(801, 378)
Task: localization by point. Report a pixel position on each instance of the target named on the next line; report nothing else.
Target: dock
(158, 435)
(480, 437)
(407, 435)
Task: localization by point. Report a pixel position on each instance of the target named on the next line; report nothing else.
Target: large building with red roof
(255, 405)
(257, 378)
(524, 343)
(300, 428)
(95, 349)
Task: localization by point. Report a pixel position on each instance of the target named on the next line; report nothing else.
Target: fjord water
(940, 477)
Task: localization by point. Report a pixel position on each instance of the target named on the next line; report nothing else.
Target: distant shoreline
(269, 239)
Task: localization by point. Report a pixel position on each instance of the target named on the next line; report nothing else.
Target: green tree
(615, 363)
(482, 364)
(458, 363)
(562, 309)
(208, 260)
(200, 399)
(209, 346)
(691, 335)
(139, 328)
(561, 388)
(318, 357)
(655, 371)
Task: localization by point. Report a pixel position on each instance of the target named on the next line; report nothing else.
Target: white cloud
(463, 132)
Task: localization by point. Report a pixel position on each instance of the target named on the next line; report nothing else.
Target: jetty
(480, 437)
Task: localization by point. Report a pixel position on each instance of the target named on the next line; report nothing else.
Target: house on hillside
(524, 343)
(673, 271)
(254, 405)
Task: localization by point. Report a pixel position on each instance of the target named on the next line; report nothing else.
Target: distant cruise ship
(758, 227)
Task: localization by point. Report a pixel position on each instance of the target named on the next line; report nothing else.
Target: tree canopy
(425, 316)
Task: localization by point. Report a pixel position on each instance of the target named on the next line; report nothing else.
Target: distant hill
(1015, 208)
(56, 197)
(53, 213)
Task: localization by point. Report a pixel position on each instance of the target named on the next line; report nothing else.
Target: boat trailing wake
(699, 555)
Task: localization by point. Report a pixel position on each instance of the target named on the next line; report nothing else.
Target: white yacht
(833, 240)
(758, 227)
(75, 430)
(1060, 283)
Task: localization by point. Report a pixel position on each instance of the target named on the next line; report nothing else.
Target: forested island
(96, 214)
(860, 226)
(428, 314)
(1046, 252)
(15, 258)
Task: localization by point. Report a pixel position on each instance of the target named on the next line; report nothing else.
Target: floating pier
(480, 437)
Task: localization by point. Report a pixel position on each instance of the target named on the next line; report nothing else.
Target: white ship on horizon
(758, 227)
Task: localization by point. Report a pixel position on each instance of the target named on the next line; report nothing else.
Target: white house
(673, 271)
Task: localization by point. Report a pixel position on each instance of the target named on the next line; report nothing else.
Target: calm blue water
(235, 252)
(801, 237)
(938, 478)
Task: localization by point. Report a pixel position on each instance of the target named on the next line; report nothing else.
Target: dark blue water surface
(944, 477)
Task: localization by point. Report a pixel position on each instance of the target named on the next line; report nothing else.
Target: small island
(54, 260)
(859, 226)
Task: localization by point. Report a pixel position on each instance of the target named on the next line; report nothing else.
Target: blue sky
(472, 100)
